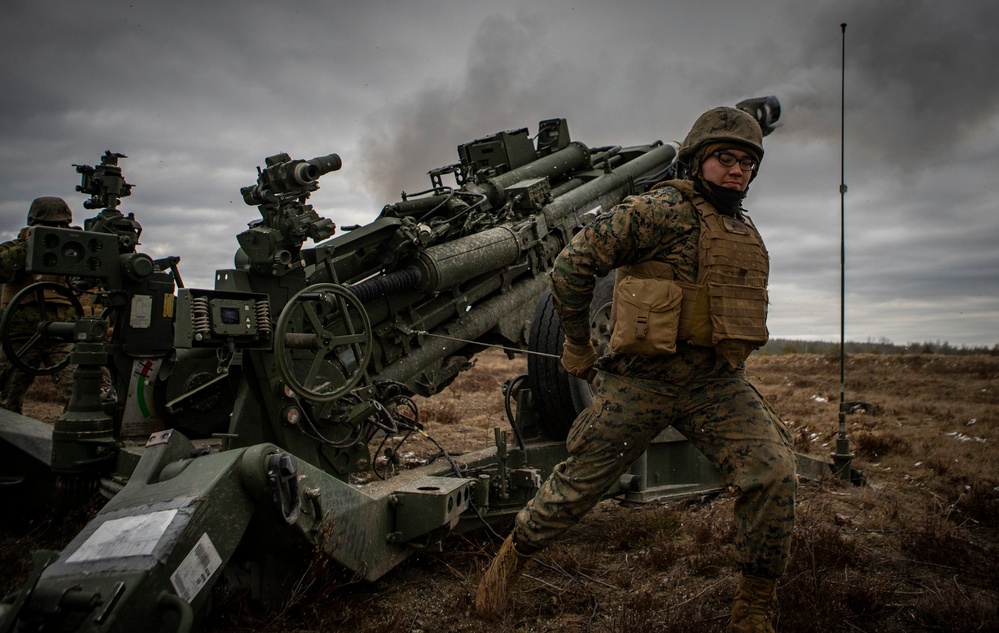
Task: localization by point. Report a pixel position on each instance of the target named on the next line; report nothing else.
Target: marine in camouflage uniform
(14, 383)
(690, 305)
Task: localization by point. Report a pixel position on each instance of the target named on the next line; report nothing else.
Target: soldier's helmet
(49, 209)
(720, 125)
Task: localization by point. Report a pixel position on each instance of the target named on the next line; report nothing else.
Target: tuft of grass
(954, 607)
(640, 530)
(446, 413)
(981, 501)
(875, 444)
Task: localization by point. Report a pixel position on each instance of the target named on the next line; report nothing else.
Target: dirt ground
(916, 549)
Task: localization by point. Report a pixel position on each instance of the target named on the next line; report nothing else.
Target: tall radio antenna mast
(843, 457)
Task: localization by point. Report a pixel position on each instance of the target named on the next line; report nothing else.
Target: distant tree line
(778, 346)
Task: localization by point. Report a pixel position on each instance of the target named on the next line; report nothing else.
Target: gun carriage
(231, 428)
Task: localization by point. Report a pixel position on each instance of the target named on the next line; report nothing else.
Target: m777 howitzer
(239, 421)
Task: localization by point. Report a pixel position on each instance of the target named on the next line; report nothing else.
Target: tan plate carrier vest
(726, 309)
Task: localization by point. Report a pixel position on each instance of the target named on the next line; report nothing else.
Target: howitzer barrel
(448, 264)
(564, 161)
(475, 323)
(557, 163)
(451, 263)
(610, 188)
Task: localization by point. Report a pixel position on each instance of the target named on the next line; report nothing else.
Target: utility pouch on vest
(646, 316)
(695, 316)
(738, 313)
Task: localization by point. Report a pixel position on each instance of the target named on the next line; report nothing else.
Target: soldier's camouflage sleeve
(13, 258)
(643, 227)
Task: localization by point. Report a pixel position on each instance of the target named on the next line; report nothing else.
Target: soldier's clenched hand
(578, 359)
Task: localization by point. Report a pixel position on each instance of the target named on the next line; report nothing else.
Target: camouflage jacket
(660, 225)
(13, 257)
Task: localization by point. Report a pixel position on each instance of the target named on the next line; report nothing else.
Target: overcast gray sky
(197, 94)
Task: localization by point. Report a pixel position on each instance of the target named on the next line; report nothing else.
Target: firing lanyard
(510, 350)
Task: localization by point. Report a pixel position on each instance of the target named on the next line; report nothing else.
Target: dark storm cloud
(922, 136)
(198, 94)
(917, 74)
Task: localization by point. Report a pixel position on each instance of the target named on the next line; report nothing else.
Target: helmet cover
(49, 209)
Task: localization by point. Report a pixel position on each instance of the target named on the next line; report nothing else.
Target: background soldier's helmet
(721, 125)
(49, 209)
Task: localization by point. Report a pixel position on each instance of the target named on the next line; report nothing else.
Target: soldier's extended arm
(640, 228)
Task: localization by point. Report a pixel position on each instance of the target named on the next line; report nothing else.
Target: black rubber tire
(559, 396)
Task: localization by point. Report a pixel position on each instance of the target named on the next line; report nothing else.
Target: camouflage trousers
(725, 418)
(14, 383)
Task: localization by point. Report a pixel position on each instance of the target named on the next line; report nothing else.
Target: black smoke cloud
(920, 76)
(496, 88)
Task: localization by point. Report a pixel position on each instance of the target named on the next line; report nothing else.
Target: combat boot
(499, 579)
(755, 602)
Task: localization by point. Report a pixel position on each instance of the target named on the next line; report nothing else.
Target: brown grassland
(917, 549)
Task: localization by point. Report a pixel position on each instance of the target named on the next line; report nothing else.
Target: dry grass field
(917, 549)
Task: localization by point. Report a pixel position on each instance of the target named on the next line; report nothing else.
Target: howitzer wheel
(558, 395)
(322, 342)
(17, 351)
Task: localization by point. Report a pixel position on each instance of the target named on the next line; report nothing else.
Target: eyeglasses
(729, 160)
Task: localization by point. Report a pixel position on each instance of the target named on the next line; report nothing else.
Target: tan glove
(578, 359)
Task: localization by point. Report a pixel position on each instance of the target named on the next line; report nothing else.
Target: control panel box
(214, 318)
